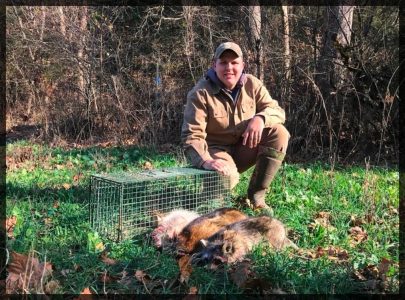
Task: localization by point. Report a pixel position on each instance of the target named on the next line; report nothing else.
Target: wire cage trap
(125, 204)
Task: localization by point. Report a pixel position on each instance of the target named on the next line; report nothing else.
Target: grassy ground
(344, 220)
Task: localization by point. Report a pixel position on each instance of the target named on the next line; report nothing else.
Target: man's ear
(213, 65)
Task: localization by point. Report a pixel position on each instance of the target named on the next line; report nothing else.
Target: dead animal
(170, 225)
(234, 241)
(205, 226)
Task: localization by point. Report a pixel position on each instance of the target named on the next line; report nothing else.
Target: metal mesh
(125, 204)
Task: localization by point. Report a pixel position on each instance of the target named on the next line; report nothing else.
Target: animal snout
(201, 259)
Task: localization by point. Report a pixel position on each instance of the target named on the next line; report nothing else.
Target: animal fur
(170, 225)
(234, 241)
(204, 226)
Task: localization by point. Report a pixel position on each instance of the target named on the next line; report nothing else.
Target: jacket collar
(217, 85)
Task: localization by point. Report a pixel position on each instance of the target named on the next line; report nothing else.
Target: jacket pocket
(248, 108)
(219, 119)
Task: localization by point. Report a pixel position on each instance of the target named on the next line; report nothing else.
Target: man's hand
(253, 132)
(218, 165)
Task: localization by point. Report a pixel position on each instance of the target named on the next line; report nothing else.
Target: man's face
(229, 68)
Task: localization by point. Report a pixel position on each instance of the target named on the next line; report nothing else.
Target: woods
(85, 74)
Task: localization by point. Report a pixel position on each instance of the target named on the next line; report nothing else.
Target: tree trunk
(188, 14)
(286, 29)
(255, 23)
(80, 52)
(62, 23)
(337, 36)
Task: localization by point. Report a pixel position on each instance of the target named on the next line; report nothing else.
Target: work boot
(267, 164)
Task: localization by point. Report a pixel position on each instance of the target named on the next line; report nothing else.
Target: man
(231, 123)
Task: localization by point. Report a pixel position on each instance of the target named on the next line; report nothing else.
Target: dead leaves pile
(374, 277)
(27, 275)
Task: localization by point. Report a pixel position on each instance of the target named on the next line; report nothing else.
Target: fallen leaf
(357, 235)
(357, 275)
(142, 276)
(85, 291)
(26, 273)
(371, 272)
(333, 253)
(191, 292)
(108, 261)
(59, 167)
(107, 278)
(77, 177)
(393, 210)
(51, 287)
(383, 267)
(356, 221)
(99, 246)
(10, 224)
(66, 186)
(56, 204)
(47, 221)
(322, 219)
(147, 166)
(241, 273)
(185, 268)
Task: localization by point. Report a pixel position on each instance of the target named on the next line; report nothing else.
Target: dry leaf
(107, 278)
(393, 210)
(333, 253)
(66, 186)
(357, 235)
(85, 291)
(357, 275)
(322, 219)
(356, 221)
(99, 246)
(243, 276)
(193, 291)
(147, 166)
(77, 267)
(241, 273)
(51, 287)
(47, 221)
(383, 267)
(10, 224)
(142, 276)
(77, 177)
(26, 273)
(185, 268)
(107, 260)
(56, 204)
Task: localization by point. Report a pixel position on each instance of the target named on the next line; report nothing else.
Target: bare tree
(188, 13)
(254, 25)
(337, 36)
(286, 32)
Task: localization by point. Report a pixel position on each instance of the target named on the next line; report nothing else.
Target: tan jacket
(212, 119)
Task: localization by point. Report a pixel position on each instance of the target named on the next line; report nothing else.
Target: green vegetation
(344, 220)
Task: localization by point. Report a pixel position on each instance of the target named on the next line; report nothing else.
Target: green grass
(48, 189)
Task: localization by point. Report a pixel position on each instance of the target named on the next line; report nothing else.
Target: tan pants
(242, 157)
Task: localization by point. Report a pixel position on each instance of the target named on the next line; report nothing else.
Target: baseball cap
(228, 46)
